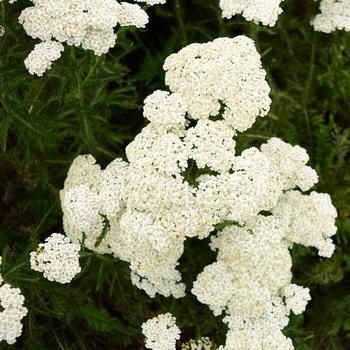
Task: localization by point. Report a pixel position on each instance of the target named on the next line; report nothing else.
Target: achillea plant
(83, 23)
(202, 229)
(143, 211)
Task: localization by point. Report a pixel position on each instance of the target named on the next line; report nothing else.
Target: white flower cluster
(42, 56)
(251, 282)
(335, 15)
(12, 312)
(222, 74)
(57, 259)
(89, 24)
(92, 199)
(308, 220)
(154, 209)
(258, 11)
(296, 298)
(184, 178)
(161, 332)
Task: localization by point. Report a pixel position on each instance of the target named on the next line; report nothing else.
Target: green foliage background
(89, 104)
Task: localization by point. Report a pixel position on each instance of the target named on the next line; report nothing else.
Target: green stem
(178, 12)
(91, 71)
(307, 92)
(16, 268)
(44, 218)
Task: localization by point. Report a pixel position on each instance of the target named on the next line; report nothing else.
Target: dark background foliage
(89, 104)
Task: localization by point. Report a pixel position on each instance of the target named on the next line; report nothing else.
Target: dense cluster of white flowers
(183, 178)
(42, 56)
(11, 313)
(259, 11)
(88, 24)
(225, 73)
(335, 15)
(57, 259)
(308, 220)
(251, 282)
(92, 200)
(161, 332)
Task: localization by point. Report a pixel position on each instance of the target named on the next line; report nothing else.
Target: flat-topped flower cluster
(57, 259)
(335, 14)
(91, 24)
(258, 11)
(88, 24)
(11, 313)
(183, 178)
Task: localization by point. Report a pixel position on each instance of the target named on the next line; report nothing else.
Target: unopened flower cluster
(335, 15)
(183, 178)
(57, 259)
(89, 24)
(12, 312)
(258, 11)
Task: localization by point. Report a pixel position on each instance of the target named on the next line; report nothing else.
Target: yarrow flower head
(308, 220)
(223, 74)
(12, 312)
(296, 298)
(57, 259)
(183, 179)
(258, 11)
(91, 199)
(161, 332)
(83, 23)
(335, 15)
(166, 111)
(42, 56)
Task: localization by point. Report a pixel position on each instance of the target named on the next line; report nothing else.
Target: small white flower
(308, 220)
(132, 15)
(296, 297)
(13, 311)
(335, 15)
(161, 332)
(289, 163)
(91, 200)
(211, 144)
(57, 259)
(42, 56)
(225, 73)
(82, 23)
(264, 11)
(165, 110)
